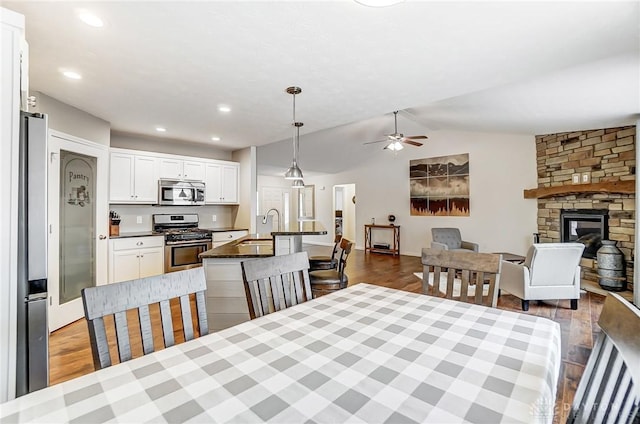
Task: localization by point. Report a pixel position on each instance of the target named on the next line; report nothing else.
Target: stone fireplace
(603, 163)
(586, 226)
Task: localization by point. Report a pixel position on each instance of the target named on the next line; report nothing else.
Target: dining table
(365, 354)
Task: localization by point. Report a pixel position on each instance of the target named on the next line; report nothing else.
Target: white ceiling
(520, 67)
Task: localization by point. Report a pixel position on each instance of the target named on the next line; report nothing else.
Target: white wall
(246, 188)
(12, 35)
(167, 145)
(501, 167)
(72, 121)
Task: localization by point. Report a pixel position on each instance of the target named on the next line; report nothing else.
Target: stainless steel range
(183, 240)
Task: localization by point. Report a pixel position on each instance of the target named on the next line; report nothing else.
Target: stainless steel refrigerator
(32, 356)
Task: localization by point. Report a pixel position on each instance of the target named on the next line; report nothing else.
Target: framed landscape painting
(440, 186)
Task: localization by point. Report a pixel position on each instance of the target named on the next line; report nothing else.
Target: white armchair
(550, 271)
(450, 239)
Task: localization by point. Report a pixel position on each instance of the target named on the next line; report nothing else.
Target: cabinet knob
(139, 243)
(230, 236)
(102, 237)
(142, 256)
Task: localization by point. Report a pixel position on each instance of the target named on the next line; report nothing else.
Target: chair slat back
(116, 299)
(609, 389)
(276, 282)
(465, 272)
(345, 250)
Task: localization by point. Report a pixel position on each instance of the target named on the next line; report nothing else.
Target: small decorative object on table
(391, 219)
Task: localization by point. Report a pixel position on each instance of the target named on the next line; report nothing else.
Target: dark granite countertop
(310, 228)
(249, 246)
(155, 233)
(137, 234)
(223, 229)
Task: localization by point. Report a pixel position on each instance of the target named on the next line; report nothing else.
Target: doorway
(344, 210)
(78, 227)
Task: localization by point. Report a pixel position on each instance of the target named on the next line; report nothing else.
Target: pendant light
(297, 184)
(294, 172)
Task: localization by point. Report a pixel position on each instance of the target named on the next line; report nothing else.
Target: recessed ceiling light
(72, 75)
(215, 138)
(161, 129)
(224, 108)
(90, 19)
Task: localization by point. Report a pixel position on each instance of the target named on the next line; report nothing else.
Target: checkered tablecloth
(366, 354)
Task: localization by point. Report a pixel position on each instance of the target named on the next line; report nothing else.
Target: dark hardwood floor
(70, 353)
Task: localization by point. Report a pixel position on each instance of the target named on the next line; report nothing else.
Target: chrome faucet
(264, 219)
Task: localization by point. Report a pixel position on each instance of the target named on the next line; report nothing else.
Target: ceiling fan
(396, 140)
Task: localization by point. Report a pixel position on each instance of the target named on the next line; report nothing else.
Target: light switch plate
(138, 219)
(586, 177)
(214, 218)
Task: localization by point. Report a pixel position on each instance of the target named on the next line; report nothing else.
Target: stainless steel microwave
(180, 193)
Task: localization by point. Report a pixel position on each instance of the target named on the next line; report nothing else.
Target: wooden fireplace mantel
(620, 187)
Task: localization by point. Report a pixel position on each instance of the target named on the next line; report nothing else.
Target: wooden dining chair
(459, 275)
(116, 299)
(609, 389)
(276, 282)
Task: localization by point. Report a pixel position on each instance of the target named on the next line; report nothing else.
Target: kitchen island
(226, 298)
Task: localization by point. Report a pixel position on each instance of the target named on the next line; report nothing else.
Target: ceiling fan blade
(373, 142)
(417, 137)
(413, 143)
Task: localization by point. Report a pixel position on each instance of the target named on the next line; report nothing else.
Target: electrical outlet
(214, 218)
(138, 219)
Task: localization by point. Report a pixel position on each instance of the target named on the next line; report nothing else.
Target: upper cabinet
(133, 178)
(221, 183)
(178, 169)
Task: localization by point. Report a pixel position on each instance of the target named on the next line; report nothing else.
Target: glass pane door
(77, 224)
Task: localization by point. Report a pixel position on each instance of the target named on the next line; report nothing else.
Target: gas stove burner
(180, 228)
(188, 237)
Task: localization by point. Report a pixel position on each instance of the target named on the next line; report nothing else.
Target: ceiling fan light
(293, 173)
(395, 146)
(297, 184)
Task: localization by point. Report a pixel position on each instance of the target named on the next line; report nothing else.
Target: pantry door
(78, 224)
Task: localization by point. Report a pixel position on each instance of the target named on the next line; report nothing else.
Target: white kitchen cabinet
(221, 179)
(135, 257)
(178, 169)
(133, 178)
(222, 237)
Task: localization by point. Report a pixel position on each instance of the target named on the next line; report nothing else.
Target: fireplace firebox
(586, 226)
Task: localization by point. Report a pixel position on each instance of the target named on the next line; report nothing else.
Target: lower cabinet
(135, 257)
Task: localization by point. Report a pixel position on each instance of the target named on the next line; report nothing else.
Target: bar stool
(329, 280)
(326, 262)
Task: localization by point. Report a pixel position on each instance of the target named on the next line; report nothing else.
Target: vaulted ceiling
(522, 67)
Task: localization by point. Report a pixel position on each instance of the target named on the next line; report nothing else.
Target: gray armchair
(450, 239)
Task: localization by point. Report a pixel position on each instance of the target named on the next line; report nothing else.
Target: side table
(368, 242)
